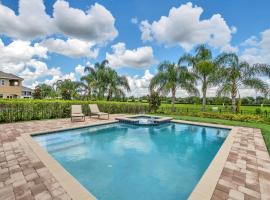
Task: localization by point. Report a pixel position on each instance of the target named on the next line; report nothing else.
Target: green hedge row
(25, 110)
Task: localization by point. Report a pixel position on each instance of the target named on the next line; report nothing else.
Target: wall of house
(7, 90)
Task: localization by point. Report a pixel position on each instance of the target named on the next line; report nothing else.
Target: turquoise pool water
(129, 162)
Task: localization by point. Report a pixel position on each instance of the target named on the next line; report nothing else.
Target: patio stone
(23, 176)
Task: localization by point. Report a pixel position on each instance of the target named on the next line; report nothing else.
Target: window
(2, 82)
(1, 96)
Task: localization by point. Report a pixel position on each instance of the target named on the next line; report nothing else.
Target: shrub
(154, 101)
(258, 111)
(24, 110)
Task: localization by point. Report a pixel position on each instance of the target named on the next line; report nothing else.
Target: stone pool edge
(203, 190)
(71, 185)
(206, 186)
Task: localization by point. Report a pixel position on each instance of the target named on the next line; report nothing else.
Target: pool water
(122, 161)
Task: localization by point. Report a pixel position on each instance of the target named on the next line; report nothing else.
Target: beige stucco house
(11, 87)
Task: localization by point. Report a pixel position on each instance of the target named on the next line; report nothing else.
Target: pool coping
(203, 190)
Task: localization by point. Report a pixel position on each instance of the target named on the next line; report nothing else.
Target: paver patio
(246, 174)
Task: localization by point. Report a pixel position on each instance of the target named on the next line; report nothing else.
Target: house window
(1, 96)
(2, 82)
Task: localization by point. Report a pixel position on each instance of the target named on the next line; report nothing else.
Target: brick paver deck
(246, 174)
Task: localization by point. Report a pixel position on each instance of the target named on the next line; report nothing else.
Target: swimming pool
(122, 161)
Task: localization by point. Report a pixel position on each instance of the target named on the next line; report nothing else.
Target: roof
(26, 89)
(9, 76)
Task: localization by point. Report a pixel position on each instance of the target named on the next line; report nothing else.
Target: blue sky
(240, 26)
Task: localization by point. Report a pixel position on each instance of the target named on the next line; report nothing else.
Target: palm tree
(89, 81)
(95, 80)
(116, 84)
(45, 91)
(235, 74)
(170, 77)
(204, 66)
(67, 89)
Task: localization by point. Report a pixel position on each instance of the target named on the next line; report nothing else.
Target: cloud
(70, 47)
(96, 25)
(36, 70)
(256, 50)
(15, 56)
(79, 69)
(134, 20)
(122, 57)
(184, 27)
(31, 22)
(139, 85)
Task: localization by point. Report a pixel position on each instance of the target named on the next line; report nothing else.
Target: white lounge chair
(76, 112)
(94, 110)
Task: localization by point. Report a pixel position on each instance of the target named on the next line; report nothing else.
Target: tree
(170, 77)
(67, 89)
(204, 67)
(235, 74)
(89, 81)
(102, 80)
(154, 101)
(37, 93)
(43, 91)
(115, 84)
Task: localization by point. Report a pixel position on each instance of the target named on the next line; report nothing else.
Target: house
(11, 87)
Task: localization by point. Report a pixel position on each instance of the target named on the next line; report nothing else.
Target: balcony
(14, 83)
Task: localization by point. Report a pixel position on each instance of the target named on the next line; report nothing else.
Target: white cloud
(134, 20)
(122, 57)
(96, 25)
(36, 70)
(257, 49)
(79, 69)
(17, 54)
(70, 47)
(31, 22)
(139, 85)
(184, 27)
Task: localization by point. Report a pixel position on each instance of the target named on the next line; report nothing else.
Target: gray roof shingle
(9, 76)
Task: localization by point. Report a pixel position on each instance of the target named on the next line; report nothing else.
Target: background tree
(204, 67)
(235, 74)
(154, 101)
(43, 91)
(37, 93)
(67, 89)
(170, 77)
(90, 81)
(116, 85)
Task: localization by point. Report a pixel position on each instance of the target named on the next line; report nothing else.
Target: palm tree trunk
(204, 89)
(173, 98)
(109, 95)
(234, 93)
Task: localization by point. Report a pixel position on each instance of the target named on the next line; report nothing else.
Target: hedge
(25, 110)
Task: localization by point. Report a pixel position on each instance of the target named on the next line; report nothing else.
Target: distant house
(11, 87)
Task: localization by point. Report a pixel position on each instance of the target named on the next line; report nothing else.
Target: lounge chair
(94, 110)
(76, 112)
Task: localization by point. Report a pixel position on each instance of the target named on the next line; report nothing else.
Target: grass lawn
(197, 107)
(265, 128)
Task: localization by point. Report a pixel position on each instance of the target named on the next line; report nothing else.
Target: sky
(44, 41)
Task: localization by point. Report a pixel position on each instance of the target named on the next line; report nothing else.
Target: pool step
(64, 146)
